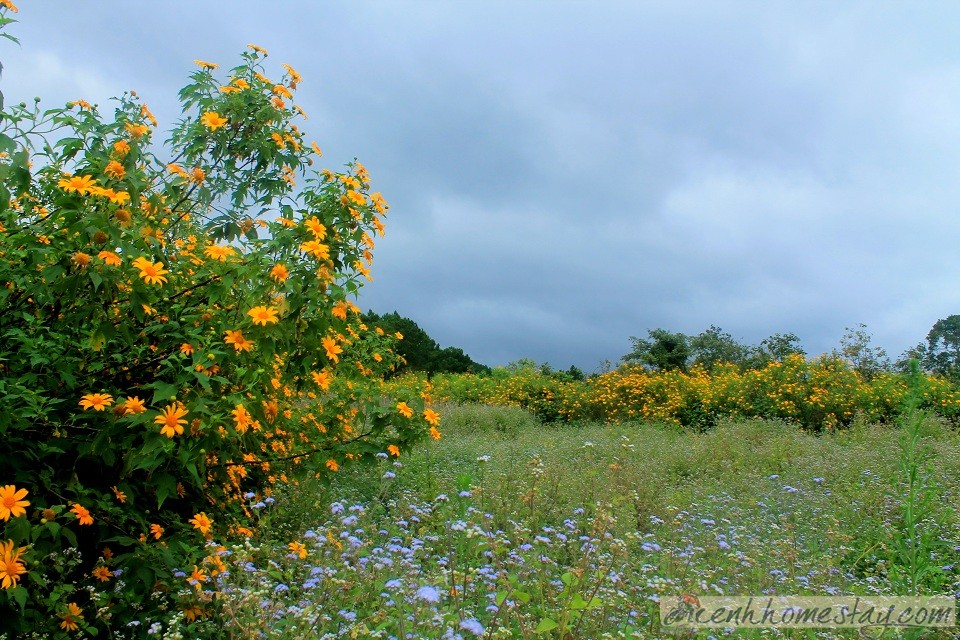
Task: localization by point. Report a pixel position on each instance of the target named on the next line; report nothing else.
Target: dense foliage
(420, 352)
(819, 394)
(176, 334)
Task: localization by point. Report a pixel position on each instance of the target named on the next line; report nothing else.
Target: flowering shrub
(177, 331)
(819, 394)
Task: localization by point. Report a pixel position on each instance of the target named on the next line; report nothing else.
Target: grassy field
(506, 528)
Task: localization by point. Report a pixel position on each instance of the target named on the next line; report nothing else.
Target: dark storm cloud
(565, 175)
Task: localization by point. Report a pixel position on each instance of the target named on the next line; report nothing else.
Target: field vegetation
(202, 436)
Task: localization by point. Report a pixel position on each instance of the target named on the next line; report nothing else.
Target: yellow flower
(133, 406)
(206, 66)
(393, 450)
(316, 148)
(279, 272)
(332, 348)
(12, 502)
(198, 175)
(316, 228)
(281, 90)
(332, 465)
(434, 433)
(218, 252)
(9, 5)
(96, 401)
(259, 50)
(121, 147)
(379, 202)
(151, 272)
(229, 89)
(156, 531)
(115, 170)
(340, 310)
(82, 514)
(177, 170)
(239, 342)
(213, 120)
(197, 577)
(186, 349)
(73, 615)
(316, 249)
(242, 418)
(298, 549)
(201, 522)
(81, 259)
(172, 420)
(322, 378)
(295, 78)
(121, 496)
(240, 83)
(137, 130)
(110, 258)
(145, 112)
(356, 198)
(263, 315)
(404, 409)
(77, 184)
(11, 568)
(101, 573)
(432, 417)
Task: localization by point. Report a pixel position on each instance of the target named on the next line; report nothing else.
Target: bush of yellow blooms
(820, 394)
(177, 338)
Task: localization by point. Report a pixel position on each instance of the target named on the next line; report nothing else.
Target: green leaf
(69, 535)
(578, 602)
(7, 144)
(501, 596)
(96, 279)
(18, 528)
(522, 596)
(547, 624)
(20, 596)
(163, 392)
(166, 487)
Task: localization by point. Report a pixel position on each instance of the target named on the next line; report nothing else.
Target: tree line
(664, 350)
(419, 351)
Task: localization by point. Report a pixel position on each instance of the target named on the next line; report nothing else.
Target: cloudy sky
(563, 175)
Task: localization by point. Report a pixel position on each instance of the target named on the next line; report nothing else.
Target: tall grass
(506, 528)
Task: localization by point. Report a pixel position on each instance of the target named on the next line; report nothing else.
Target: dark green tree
(776, 348)
(942, 353)
(453, 360)
(714, 346)
(662, 350)
(856, 348)
(419, 350)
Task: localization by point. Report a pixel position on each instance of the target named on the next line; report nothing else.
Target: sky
(563, 175)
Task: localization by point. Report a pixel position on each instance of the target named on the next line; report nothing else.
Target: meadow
(202, 437)
(508, 528)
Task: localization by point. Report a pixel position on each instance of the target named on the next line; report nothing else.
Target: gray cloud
(565, 175)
